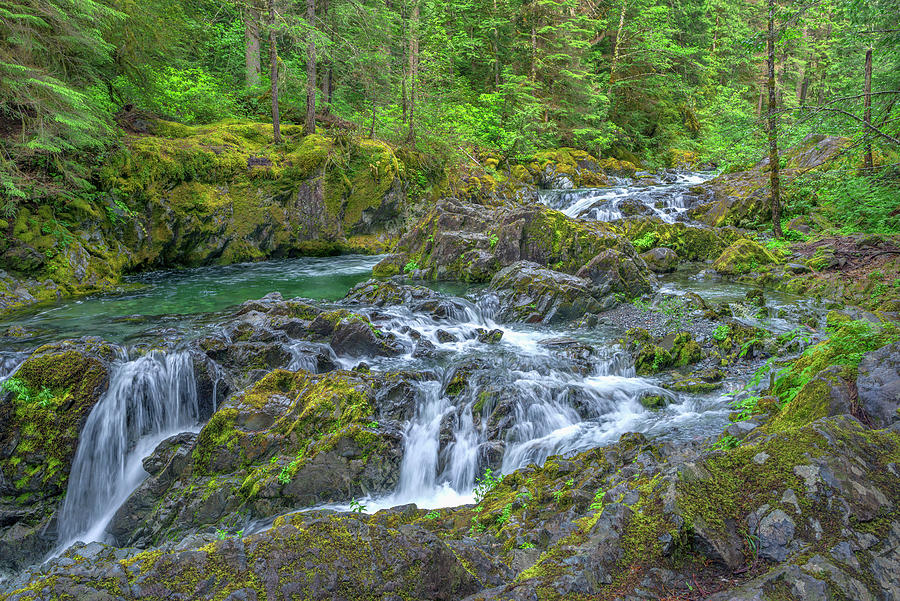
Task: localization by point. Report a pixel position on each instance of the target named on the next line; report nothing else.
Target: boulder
(532, 294)
(878, 385)
(742, 198)
(613, 272)
(743, 257)
(660, 260)
(291, 440)
(462, 241)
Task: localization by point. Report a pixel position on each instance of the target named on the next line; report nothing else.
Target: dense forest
(479, 300)
(656, 80)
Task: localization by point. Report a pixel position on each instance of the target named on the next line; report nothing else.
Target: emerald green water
(186, 300)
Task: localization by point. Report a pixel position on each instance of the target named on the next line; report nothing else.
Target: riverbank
(666, 419)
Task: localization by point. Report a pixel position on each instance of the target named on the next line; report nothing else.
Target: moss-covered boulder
(563, 168)
(743, 257)
(461, 241)
(653, 355)
(619, 272)
(742, 198)
(532, 294)
(312, 556)
(292, 440)
(689, 242)
(660, 260)
(43, 407)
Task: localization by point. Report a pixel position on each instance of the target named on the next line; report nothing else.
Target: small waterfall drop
(148, 400)
(667, 199)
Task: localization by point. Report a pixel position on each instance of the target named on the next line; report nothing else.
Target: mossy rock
(690, 243)
(743, 257)
(50, 398)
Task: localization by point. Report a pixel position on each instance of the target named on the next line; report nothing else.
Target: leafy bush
(486, 484)
(25, 395)
(856, 203)
(190, 95)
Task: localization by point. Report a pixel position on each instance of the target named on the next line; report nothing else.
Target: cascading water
(148, 400)
(668, 200)
(553, 408)
(9, 363)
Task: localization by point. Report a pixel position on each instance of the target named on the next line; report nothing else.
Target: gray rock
(878, 385)
(775, 532)
(660, 260)
(530, 293)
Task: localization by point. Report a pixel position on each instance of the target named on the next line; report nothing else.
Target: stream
(564, 389)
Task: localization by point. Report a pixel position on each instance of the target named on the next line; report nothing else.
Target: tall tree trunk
(251, 48)
(413, 71)
(273, 72)
(309, 125)
(762, 90)
(618, 45)
(775, 183)
(533, 49)
(404, 59)
(328, 69)
(867, 116)
(496, 49)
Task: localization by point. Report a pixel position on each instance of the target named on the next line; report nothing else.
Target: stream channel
(567, 388)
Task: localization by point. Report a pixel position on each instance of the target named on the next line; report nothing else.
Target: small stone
(790, 498)
(776, 532)
(843, 552)
(760, 458)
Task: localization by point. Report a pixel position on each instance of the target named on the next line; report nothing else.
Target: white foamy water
(148, 400)
(666, 201)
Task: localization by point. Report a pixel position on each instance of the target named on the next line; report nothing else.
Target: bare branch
(869, 126)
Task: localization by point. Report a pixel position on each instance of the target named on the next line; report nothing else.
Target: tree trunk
(533, 50)
(413, 71)
(273, 72)
(251, 49)
(309, 125)
(617, 46)
(775, 184)
(496, 50)
(867, 116)
(328, 70)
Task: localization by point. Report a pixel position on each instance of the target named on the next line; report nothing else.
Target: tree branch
(869, 126)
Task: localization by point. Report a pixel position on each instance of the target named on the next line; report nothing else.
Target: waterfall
(148, 400)
(668, 199)
(418, 470)
(9, 363)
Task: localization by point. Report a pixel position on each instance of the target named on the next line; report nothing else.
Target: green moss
(217, 433)
(846, 346)
(743, 257)
(690, 243)
(66, 385)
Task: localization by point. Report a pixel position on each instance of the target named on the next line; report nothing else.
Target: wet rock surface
(787, 489)
(819, 505)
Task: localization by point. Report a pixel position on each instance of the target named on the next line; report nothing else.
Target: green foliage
(855, 202)
(357, 507)
(410, 267)
(848, 343)
(747, 406)
(725, 443)
(721, 332)
(44, 397)
(485, 484)
(646, 241)
(189, 95)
